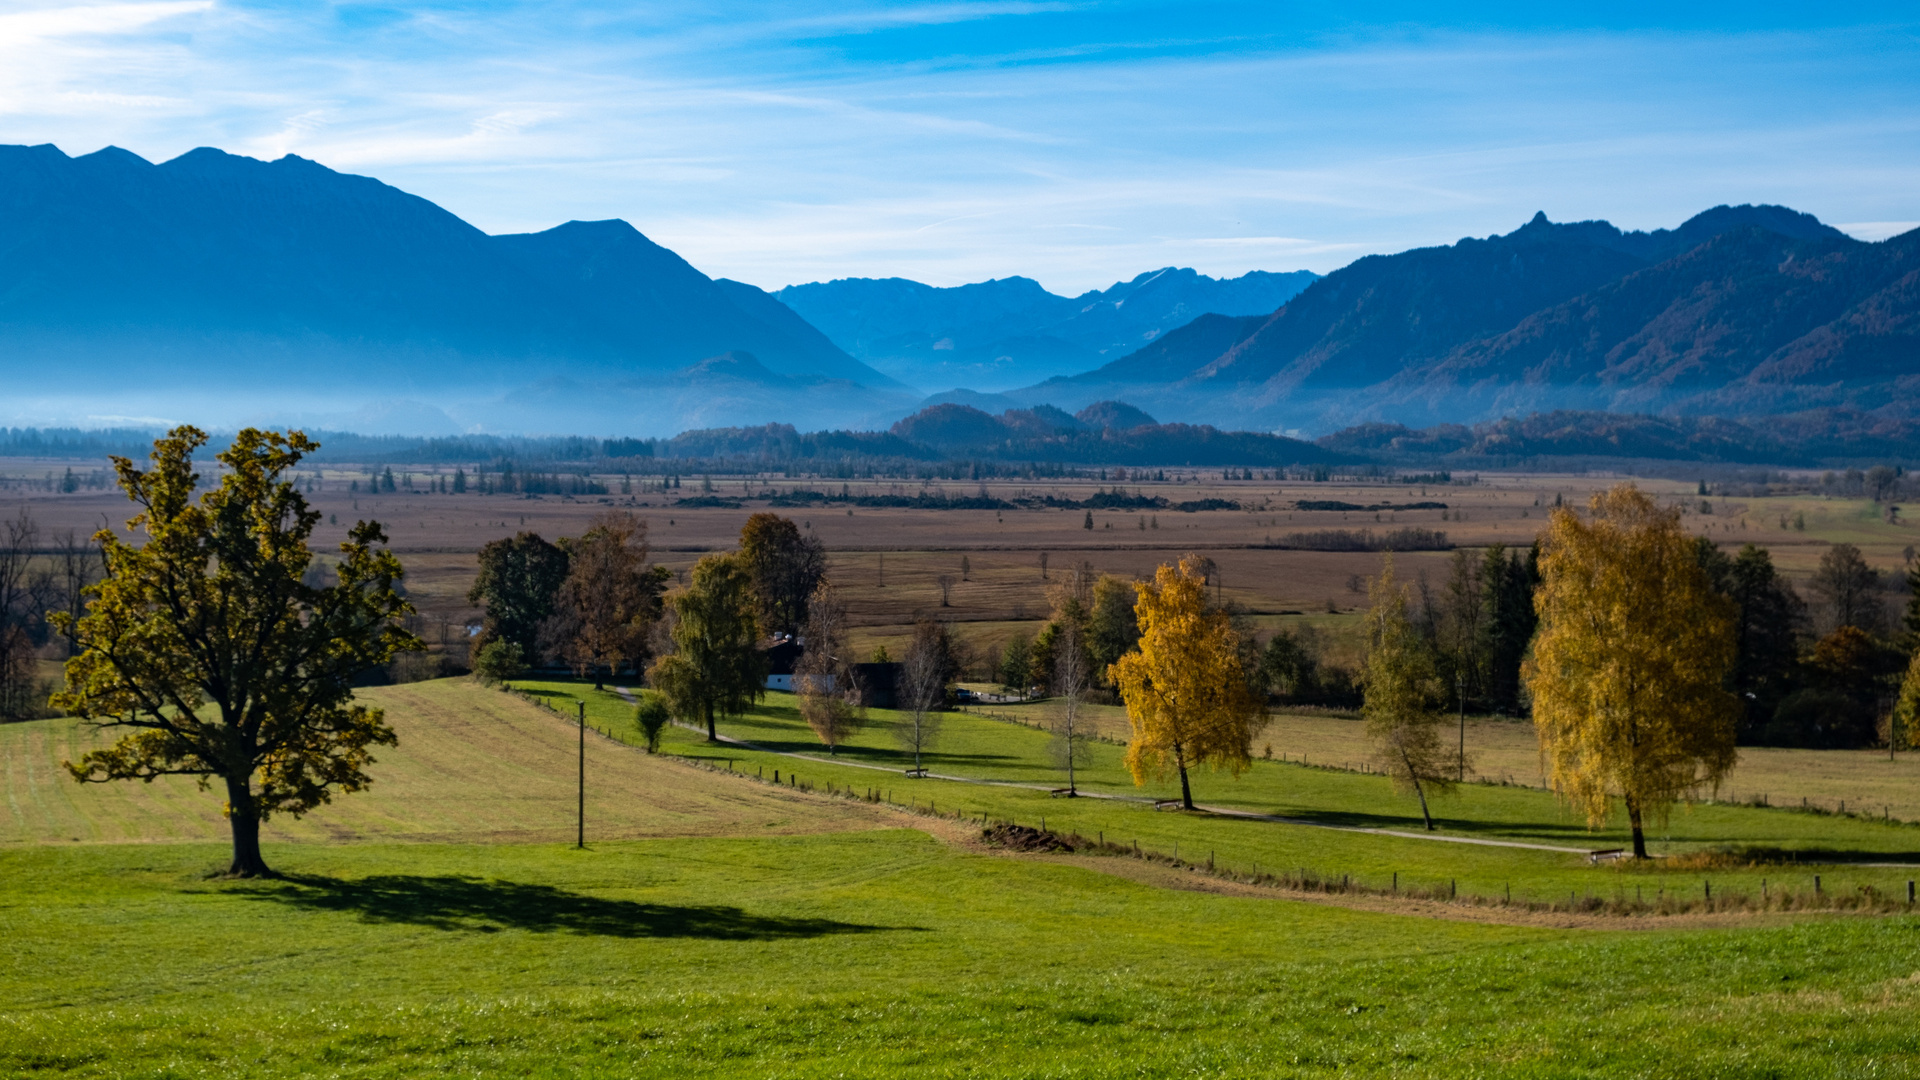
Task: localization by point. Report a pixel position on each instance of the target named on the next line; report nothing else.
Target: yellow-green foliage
(716, 665)
(1629, 667)
(1400, 687)
(1904, 733)
(1187, 698)
(207, 645)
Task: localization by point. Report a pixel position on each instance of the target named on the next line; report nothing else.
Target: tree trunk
(243, 817)
(1186, 790)
(1639, 836)
(711, 735)
(1417, 789)
(1071, 792)
(1425, 816)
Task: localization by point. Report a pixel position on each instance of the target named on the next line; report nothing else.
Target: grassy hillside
(723, 926)
(473, 766)
(872, 954)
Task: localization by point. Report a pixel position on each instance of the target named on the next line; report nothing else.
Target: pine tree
(1508, 584)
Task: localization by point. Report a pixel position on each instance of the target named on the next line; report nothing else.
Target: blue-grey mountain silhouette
(993, 335)
(1744, 310)
(221, 286)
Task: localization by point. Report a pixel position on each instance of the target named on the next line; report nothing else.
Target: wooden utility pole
(582, 818)
(1460, 692)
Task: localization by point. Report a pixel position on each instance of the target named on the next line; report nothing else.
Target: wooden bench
(1609, 853)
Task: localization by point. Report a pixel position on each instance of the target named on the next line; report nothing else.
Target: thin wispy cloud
(1078, 143)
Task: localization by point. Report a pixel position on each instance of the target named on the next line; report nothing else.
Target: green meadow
(1491, 839)
(442, 923)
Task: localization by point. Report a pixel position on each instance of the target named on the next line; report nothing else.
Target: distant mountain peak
(1759, 305)
(994, 334)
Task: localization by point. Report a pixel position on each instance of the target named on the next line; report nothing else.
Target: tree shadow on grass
(468, 903)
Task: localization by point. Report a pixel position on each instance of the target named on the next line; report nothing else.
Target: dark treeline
(956, 442)
(1822, 671)
(40, 574)
(1411, 538)
(1837, 436)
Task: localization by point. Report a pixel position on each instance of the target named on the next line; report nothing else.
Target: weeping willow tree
(1629, 670)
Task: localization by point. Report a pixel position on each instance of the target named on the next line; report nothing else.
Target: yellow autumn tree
(1186, 695)
(1903, 732)
(1629, 669)
(1400, 686)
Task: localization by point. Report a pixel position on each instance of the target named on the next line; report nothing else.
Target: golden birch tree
(1629, 670)
(1401, 685)
(1186, 695)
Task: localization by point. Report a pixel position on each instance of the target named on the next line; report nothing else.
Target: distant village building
(879, 683)
(783, 655)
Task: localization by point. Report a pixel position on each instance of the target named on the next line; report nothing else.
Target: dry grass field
(473, 766)
(888, 561)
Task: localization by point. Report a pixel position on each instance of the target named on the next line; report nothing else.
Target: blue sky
(1074, 142)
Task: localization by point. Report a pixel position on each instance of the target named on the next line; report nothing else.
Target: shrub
(499, 660)
(651, 716)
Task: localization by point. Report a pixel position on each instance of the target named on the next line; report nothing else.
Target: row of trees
(596, 605)
(1652, 650)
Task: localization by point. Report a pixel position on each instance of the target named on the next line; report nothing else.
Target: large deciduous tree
(786, 566)
(716, 666)
(1185, 689)
(1629, 671)
(207, 643)
(518, 581)
(1401, 687)
(1903, 728)
(609, 598)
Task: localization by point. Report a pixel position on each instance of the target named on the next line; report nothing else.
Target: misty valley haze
(224, 289)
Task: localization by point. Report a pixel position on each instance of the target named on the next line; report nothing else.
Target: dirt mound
(1022, 838)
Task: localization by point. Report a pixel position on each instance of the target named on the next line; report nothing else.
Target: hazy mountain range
(1010, 332)
(223, 289)
(1741, 311)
